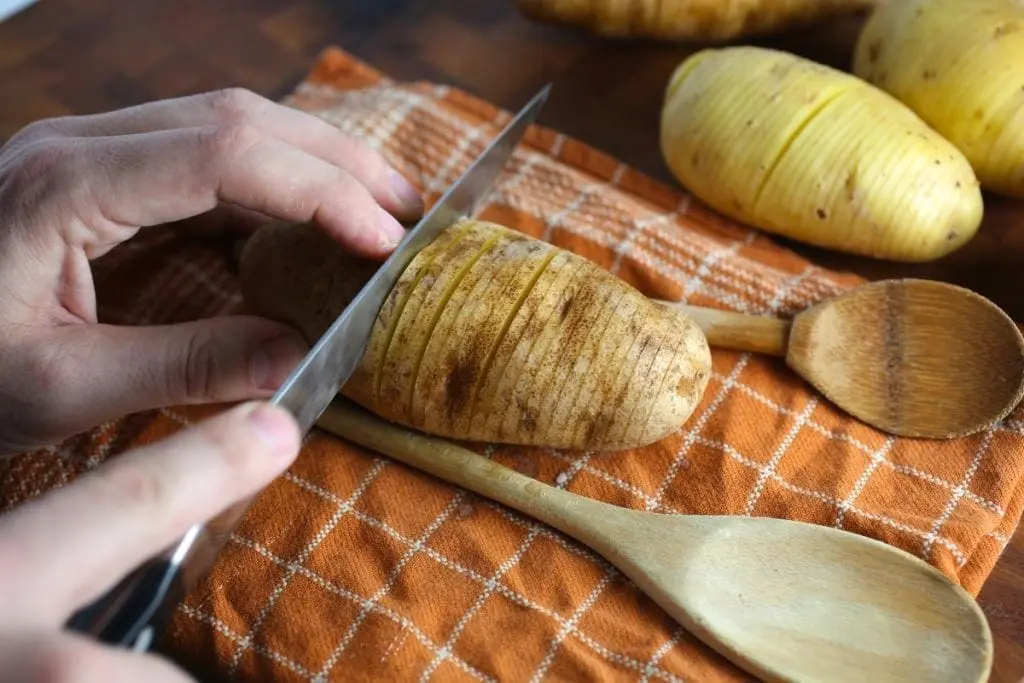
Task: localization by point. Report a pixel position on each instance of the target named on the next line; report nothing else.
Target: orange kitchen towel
(354, 567)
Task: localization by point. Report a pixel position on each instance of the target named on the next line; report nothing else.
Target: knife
(135, 611)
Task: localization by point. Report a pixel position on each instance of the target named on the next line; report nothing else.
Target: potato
(960, 65)
(491, 335)
(810, 153)
(701, 20)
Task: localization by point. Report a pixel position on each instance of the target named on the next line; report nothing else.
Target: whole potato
(709, 21)
(808, 152)
(960, 65)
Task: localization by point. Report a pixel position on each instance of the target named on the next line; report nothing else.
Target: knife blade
(133, 612)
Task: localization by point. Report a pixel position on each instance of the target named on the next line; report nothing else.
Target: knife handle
(135, 611)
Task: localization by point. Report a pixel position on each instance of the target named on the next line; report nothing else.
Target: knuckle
(39, 171)
(201, 367)
(228, 442)
(233, 105)
(40, 158)
(33, 132)
(138, 487)
(231, 140)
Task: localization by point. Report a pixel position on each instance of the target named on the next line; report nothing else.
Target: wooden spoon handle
(567, 512)
(738, 331)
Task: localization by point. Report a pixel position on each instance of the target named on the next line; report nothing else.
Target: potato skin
(492, 335)
(960, 65)
(710, 21)
(807, 152)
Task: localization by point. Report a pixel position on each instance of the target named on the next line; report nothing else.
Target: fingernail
(405, 193)
(275, 427)
(391, 231)
(275, 360)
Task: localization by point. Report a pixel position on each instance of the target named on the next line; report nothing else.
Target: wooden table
(81, 56)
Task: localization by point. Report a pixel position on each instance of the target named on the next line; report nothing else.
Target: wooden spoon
(784, 600)
(911, 357)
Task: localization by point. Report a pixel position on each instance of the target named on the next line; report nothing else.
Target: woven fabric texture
(354, 567)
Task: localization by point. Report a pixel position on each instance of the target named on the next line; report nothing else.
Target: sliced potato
(807, 152)
(960, 65)
(491, 335)
(701, 20)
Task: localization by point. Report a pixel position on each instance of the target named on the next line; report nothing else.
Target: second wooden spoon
(910, 357)
(784, 600)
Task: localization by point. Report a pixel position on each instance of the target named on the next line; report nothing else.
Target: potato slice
(494, 399)
(450, 371)
(584, 373)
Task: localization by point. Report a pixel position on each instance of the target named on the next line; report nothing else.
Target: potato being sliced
(450, 370)
(494, 399)
(454, 273)
(492, 335)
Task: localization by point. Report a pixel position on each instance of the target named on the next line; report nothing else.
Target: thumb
(111, 371)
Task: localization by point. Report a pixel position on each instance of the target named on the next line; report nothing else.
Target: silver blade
(315, 382)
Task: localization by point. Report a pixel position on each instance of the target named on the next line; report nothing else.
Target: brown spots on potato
(695, 159)
(598, 427)
(686, 386)
(978, 114)
(528, 420)
(458, 385)
(1005, 29)
(850, 185)
(875, 51)
(822, 214)
(929, 74)
(959, 185)
(566, 307)
(691, 387)
(952, 235)
(750, 122)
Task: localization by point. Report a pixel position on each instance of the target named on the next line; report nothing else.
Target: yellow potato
(702, 20)
(960, 65)
(492, 335)
(808, 152)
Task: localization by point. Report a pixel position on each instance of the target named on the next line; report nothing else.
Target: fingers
(64, 658)
(110, 371)
(241, 107)
(166, 176)
(78, 541)
(225, 218)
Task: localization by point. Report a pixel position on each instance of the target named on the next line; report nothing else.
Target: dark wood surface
(81, 56)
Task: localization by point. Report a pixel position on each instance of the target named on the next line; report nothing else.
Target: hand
(73, 188)
(62, 551)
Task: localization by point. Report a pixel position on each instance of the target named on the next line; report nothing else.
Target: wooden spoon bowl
(916, 358)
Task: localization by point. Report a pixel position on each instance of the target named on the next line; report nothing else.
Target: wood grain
(81, 56)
